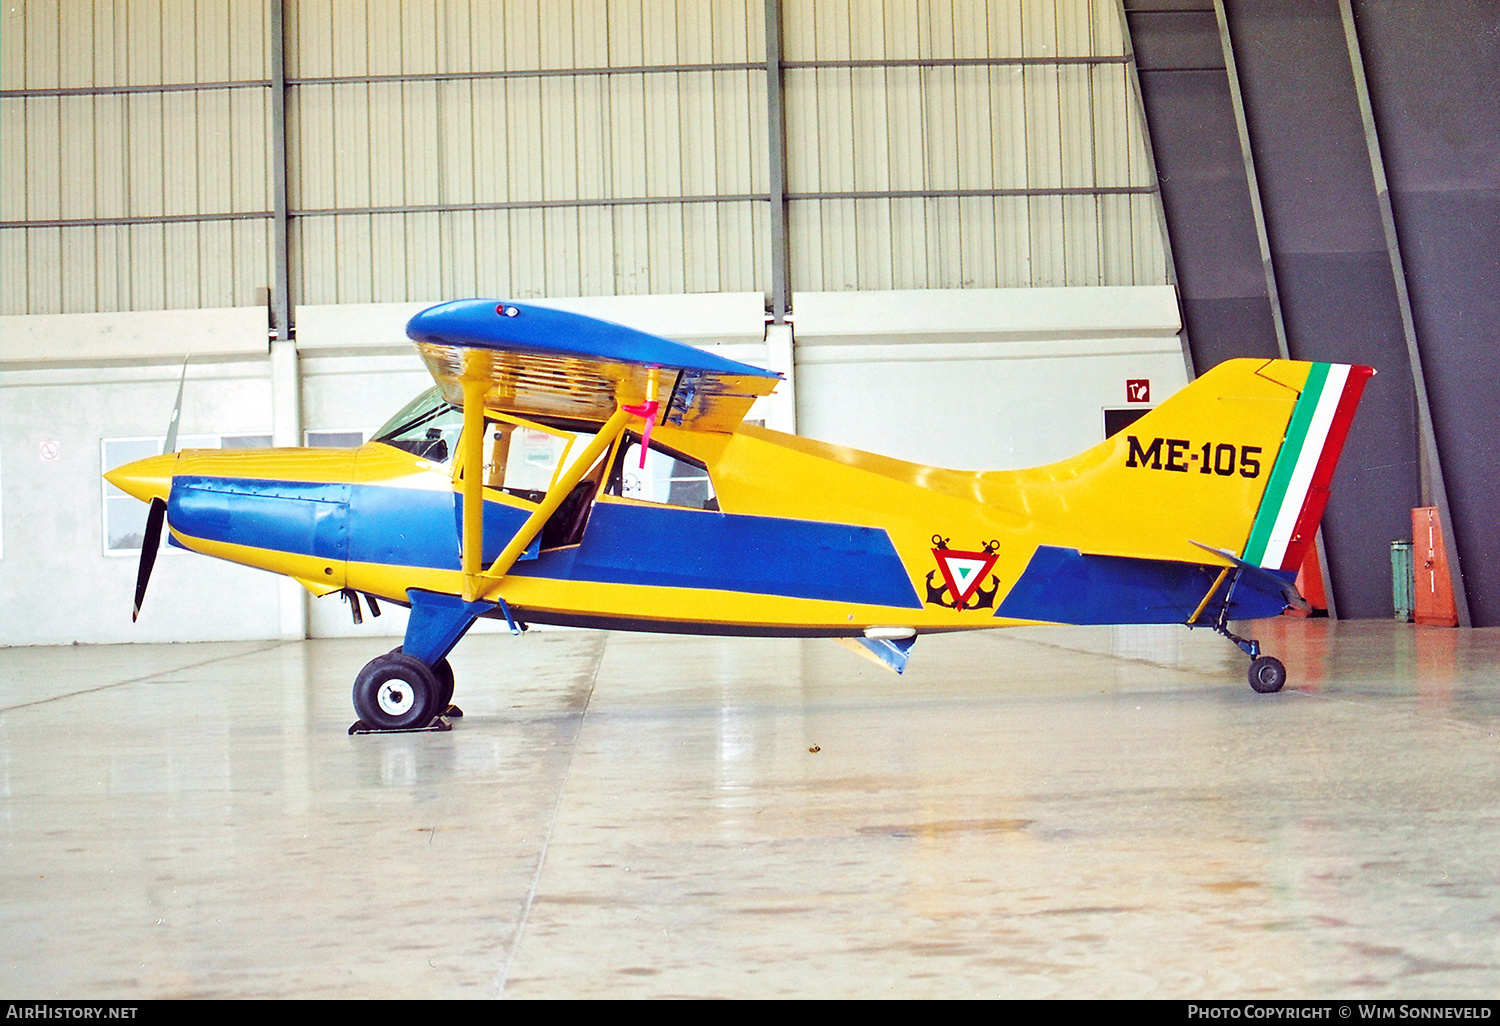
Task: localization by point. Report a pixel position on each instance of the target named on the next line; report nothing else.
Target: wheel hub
(395, 697)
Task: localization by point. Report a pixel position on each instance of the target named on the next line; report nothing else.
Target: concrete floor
(1087, 812)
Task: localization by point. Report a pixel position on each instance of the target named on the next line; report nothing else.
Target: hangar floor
(1065, 812)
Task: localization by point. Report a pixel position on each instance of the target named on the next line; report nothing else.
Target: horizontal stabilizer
(1288, 589)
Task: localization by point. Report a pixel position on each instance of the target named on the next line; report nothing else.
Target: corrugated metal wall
(504, 149)
(1014, 114)
(544, 148)
(124, 185)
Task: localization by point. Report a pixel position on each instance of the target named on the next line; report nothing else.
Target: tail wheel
(396, 692)
(1267, 674)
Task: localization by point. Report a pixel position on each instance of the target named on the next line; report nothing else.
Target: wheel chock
(438, 723)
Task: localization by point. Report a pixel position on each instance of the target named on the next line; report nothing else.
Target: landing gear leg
(1267, 673)
(411, 687)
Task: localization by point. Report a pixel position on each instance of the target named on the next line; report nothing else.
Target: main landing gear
(398, 692)
(411, 687)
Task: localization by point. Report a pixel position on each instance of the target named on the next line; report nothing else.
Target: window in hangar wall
(330, 439)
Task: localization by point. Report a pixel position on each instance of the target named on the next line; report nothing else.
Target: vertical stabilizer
(1240, 460)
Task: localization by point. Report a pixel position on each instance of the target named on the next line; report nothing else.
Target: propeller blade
(171, 443)
(149, 545)
(157, 514)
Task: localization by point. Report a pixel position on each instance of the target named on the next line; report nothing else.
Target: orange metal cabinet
(1433, 587)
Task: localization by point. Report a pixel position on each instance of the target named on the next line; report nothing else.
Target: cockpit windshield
(428, 427)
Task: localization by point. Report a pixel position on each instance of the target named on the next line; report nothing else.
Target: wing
(543, 362)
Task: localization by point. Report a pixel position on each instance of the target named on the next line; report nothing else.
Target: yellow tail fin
(1239, 460)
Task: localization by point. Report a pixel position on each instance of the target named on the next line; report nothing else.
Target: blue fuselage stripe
(1066, 586)
(624, 543)
(682, 548)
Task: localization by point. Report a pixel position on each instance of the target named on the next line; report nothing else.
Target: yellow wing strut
(472, 444)
(478, 586)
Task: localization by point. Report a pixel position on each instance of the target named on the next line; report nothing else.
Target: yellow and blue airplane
(566, 470)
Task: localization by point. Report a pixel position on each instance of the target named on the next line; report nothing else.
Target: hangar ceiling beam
(1198, 161)
(1273, 294)
(281, 306)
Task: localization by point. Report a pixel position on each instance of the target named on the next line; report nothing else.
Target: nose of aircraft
(147, 479)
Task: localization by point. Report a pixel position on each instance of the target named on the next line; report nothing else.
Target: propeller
(157, 514)
(149, 545)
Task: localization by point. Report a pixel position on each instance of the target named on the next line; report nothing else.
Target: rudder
(1297, 491)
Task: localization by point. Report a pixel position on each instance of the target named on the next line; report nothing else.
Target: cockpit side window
(525, 458)
(428, 427)
(669, 477)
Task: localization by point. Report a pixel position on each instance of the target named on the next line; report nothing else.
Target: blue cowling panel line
(306, 517)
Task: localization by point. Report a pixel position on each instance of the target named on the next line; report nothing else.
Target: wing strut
(477, 585)
(471, 441)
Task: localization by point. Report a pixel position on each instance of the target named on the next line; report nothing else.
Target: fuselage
(800, 543)
(787, 536)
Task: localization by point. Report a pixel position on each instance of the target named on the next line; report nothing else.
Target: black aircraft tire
(444, 674)
(396, 692)
(1267, 675)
